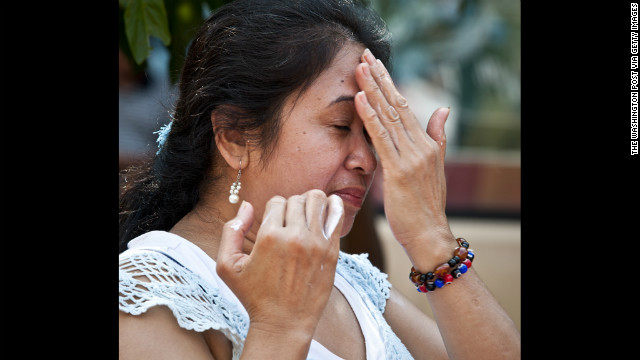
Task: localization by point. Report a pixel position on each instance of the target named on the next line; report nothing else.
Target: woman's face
(322, 144)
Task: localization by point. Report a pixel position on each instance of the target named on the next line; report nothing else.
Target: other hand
(412, 161)
(286, 281)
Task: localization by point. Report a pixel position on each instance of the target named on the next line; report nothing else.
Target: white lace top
(182, 277)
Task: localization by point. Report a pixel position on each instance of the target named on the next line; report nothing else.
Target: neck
(203, 226)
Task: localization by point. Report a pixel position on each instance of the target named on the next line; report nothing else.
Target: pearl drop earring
(235, 187)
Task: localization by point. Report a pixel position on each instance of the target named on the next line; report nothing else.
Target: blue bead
(463, 268)
(470, 255)
(439, 283)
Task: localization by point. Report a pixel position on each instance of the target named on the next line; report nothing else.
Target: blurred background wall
(459, 53)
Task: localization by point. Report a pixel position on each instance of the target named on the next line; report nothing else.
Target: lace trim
(200, 307)
(195, 305)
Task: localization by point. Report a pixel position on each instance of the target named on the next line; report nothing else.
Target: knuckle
(429, 157)
(229, 226)
(224, 268)
(381, 75)
(393, 114)
(370, 112)
(268, 234)
(373, 85)
(384, 135)
(405, 170)
(316, 194)
(296, 199)
(295, 241)
(401, 102)
(277, 200)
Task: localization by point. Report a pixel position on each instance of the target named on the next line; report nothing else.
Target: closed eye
(342, 127)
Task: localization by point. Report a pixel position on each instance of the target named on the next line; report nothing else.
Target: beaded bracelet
(445, 273)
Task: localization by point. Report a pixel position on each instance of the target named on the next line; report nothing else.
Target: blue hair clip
(162, 135)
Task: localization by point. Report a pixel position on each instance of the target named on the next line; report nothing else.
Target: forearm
(472, 323)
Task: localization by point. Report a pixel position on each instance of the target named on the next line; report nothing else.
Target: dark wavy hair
(243, 63)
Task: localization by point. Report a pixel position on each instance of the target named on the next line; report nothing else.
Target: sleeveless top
(182, 277)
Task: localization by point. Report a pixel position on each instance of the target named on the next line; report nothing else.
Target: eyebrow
(341, 99)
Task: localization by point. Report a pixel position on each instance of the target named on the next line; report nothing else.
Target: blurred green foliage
(174, 22)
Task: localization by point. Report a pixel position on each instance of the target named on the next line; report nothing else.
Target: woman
(289, 107)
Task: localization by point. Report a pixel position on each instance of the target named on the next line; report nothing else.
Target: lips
(352, 196)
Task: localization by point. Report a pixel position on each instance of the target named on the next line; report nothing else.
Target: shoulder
(364, 276)
(149, 278)
(145, 337)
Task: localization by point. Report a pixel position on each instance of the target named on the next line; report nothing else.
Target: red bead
(467, 262)
(448, 279)
(422, 288)
(442, 270)
(461, 252)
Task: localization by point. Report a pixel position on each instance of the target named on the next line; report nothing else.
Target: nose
(362, 156)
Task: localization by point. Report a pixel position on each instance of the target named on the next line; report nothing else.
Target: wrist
(446, 272)
(266, 340)
(436, 249)
(293, 329)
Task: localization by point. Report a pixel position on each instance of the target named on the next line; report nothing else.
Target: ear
(231, 145)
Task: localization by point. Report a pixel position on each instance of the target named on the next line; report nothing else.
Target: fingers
(388, 89)
(391, 107)
(310, 224)
(331, 231)
(384, 112)
(274, 212)
(335, 218)
(230, 250)
(435, 128)
(295, 216)
(316, 210)
(324, 215)
(311, 211)
(380, 136)
(387, 116)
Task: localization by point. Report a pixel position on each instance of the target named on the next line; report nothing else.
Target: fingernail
(363, 98)
(366, 71)
(333, 218)
(368, 56)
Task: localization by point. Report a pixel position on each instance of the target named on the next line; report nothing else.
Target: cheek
(310, 163)
(317, 166)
